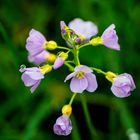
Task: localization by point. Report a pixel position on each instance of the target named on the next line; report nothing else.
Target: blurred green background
(97, 116)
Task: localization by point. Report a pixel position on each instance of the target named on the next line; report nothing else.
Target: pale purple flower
(31, 77)
(110, 38)
(82, 79)
(58, 63)
(86, 29)
(122, 85)
(34, 45)
(62, 126)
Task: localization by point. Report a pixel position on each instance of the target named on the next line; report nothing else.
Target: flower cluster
(77, 34)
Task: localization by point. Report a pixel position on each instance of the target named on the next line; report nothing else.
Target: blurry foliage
(25, 116)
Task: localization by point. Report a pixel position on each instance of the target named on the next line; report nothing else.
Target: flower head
(110, 38)
(62, 126)
(122, 85)
(36, 45)
(85, 29)
(82, 79)
(31, 77)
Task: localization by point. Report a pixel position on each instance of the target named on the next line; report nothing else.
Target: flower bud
(63, 55)
(110, 76)
(78, 40)
(58, 63)
(50, 45)
(51, 57)
(96, 41)
(67, 110)
(60, 60)
(45, 69)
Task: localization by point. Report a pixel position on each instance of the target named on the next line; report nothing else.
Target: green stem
(88, 119)
(98, 70)
(63, 48)
(82, 46)
(72, 98)
(71, 68)
(69, 62)
(76, 55)
(75, 133)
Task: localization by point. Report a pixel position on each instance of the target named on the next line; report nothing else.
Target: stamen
(80, 74)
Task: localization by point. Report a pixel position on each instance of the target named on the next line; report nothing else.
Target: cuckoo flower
(82, 79)
(85, 29)
(62, 126)
(122, 85)
(31, 77)
(110, 38)
(35, 46)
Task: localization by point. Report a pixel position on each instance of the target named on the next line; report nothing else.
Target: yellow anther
(51, 57)
(96, 41)
(67, 110)
(50, 45)
(80, 74)
(110, 76)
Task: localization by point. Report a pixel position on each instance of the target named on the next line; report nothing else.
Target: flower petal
(83, 68)
(86, 29)
(35, 42)
(110, 38)
(78, 85)
(62, 25)
(37, 36)
(92, 82)
(38, 58)
(119, 92)
(35, 86)
(70, 76)
(121, 80)
(27, 80)
(133, 86)
(34, 73)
